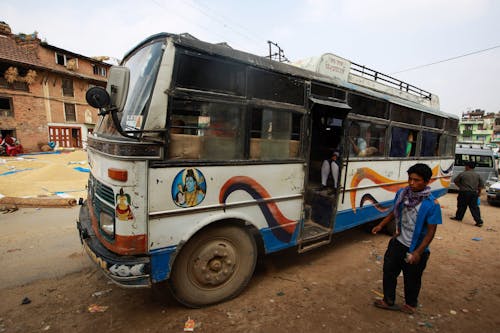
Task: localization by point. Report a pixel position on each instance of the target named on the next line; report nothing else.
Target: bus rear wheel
(214, 266)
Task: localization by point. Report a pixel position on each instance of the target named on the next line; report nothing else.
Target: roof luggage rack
(371, 74)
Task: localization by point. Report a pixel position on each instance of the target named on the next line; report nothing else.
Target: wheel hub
(214, 264)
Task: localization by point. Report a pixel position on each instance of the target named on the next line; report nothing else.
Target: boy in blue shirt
(417, 214)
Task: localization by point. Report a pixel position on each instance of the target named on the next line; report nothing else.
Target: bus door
(322, 192)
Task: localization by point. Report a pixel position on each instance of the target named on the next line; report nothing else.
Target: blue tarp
(12, 172)
(40, 153)
(82, 169)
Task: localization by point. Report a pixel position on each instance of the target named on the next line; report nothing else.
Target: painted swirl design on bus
(281, 227)
(367, 173)
(445, 182)
(376, 204)
(388, 184)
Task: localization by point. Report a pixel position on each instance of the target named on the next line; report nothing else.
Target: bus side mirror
(117, 88)
(97, 97)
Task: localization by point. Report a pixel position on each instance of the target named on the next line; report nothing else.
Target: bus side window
(430, 144)
(211, 131)
(366, 139)
(222, 132)
(376, 140)
(403, 142)
(446, 145)
(273, 134)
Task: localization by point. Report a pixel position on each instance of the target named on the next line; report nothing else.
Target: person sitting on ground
(12, 147)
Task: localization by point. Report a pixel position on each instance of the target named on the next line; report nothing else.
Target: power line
(224, 21)
(445, 60)
(216, 17)
(189, 20)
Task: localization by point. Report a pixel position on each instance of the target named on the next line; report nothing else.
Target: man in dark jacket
(469, 185)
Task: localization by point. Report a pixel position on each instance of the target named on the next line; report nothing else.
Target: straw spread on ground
(44, 175)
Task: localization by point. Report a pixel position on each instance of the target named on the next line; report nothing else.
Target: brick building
(42, 91)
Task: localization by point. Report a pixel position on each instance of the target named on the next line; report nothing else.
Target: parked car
(493, 194)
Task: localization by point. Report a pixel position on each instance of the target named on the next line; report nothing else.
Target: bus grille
(102, 198)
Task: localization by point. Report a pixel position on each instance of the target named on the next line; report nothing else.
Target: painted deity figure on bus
(189, 188)
(123, 210)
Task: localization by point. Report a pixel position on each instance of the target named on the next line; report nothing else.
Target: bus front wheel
(214, 266)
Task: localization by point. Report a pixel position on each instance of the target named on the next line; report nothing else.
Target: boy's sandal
(380, 303)
(408, 309)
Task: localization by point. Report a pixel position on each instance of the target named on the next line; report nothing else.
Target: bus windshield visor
(143, 66)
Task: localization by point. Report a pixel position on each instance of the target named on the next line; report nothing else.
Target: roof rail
(371, 74)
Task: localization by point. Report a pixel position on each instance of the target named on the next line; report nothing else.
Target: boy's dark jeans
(394, 262)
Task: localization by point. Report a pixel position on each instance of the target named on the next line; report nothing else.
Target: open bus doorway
(321, 197)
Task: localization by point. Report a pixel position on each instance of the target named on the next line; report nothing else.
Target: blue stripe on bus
(274, 217)
(273, 244)
(160, 263)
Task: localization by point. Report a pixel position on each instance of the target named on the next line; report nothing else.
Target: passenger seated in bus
(328, 167)
(358, 144)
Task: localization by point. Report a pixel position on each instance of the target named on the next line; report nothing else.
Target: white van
(484, 158)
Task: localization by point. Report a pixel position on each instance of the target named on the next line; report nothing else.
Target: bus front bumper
(126, 271)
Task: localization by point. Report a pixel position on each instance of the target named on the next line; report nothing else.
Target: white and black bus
(206, 157)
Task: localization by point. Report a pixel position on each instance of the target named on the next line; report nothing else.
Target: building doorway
(66, 137)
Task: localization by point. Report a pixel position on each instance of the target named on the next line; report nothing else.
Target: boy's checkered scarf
(410, 199)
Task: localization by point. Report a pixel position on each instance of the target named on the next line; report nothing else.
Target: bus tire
(214, 266)
(390, 228)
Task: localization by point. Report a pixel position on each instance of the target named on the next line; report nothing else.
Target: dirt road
(39, 244)
(329, 290)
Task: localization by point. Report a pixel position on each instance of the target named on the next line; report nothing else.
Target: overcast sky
(386, 35)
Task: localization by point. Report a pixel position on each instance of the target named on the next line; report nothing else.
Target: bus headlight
(107, 223)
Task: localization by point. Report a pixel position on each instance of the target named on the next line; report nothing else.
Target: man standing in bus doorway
(417, 214)
(469, 185)
(330, 165)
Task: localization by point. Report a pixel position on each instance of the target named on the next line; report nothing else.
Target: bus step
(304, 248)
(313, 231)
(313, 236)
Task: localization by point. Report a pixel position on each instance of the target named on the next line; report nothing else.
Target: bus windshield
(143, 66)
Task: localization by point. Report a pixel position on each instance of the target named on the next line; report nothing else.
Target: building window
(69, 62)
(98, 70)
(6, 109)
(16, 85)
(69, 112)
(67, 87)
(60, 59)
